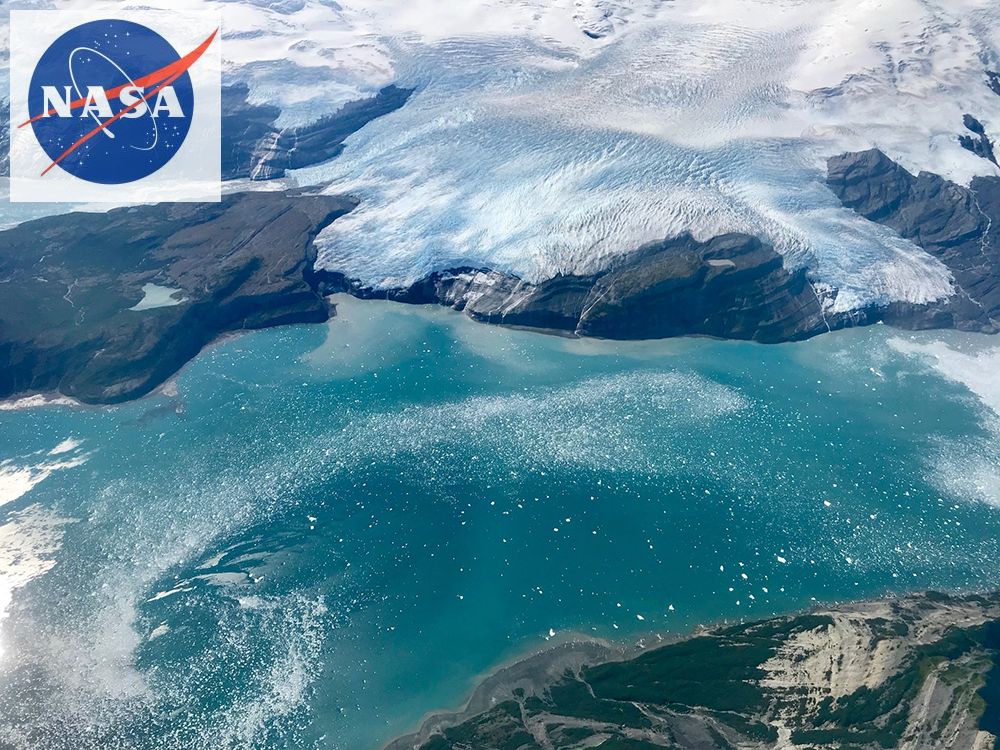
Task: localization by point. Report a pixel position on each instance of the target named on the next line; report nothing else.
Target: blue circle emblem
(92, 117)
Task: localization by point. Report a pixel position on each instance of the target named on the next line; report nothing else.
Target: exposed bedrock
(105, 307)
(978, 142)
(957, 225)
(993, 81)
(254, 146)
(73, 318)
(732, 286)
(735, 286)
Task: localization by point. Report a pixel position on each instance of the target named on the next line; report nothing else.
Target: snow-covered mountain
(547, 137)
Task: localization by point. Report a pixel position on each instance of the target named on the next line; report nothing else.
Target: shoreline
(31, 398)
(537, 670)
(531, 667)
(166, 389)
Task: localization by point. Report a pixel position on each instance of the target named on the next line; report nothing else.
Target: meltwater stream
(319, 534)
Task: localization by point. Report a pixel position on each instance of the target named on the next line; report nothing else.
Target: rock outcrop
(979, 142)
(76, 321)
(70, 282)
(72, 319)
(732, 286)
(959, 226)
(993, 81)
(253, 146)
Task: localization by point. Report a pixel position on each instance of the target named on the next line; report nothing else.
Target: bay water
(317, 534)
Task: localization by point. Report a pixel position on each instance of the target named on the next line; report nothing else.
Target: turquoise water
(319, 534)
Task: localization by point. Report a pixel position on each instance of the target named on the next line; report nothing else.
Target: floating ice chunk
(159, 630)
(18, 480)
(170, 592)
(65, 446)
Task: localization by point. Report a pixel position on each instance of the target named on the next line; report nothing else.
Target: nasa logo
(110, 102)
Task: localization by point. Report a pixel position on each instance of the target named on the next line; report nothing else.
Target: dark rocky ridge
(993, 81)
(253, 146)
(921, 672)
(732, 286)
(959, 226)
(979, 142)
(249, 263)
(67, 283)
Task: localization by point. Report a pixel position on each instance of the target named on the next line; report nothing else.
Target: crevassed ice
(538, 159)
(533, 147)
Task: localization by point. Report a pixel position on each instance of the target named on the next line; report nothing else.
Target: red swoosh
(84, 138)
(181, 65)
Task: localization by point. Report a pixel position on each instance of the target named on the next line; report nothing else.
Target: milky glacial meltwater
(319, 534)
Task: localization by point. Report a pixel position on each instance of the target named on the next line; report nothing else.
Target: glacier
(551, 137)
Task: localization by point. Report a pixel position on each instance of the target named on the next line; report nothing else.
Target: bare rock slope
(75, 317)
